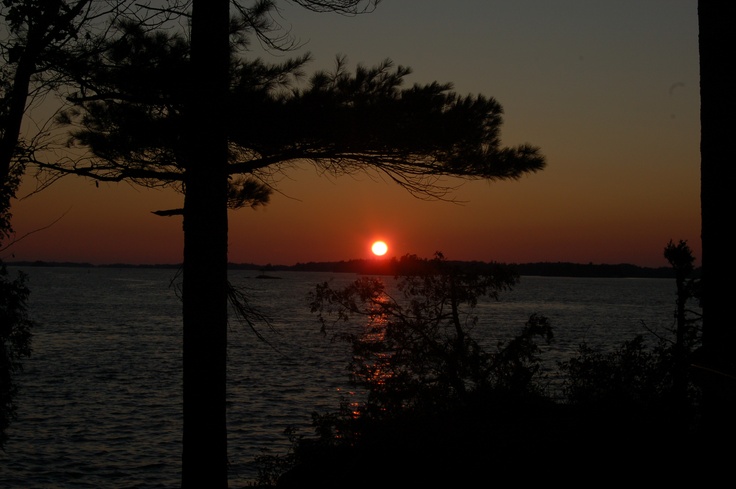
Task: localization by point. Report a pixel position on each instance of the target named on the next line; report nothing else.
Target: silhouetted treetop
(366, 117)
(128, 112)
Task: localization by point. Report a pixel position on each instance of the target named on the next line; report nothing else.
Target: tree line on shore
(390, 267)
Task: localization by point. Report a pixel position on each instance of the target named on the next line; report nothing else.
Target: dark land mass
(392, 266)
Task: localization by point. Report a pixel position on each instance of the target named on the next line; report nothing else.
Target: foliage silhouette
(225, 141)
(437, 412)
(428, 384)
(415, 352)
(688, 331)
(39, 41)
(42, 44)
(635, 374)
(15, 325)
(130, 113)
(32, 34)
(15, 342)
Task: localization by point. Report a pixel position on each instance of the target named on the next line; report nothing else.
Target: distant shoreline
(383, 267)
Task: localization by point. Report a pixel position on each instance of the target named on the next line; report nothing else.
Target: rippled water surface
(100, 401)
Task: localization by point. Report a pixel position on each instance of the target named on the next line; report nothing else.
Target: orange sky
(609, 92)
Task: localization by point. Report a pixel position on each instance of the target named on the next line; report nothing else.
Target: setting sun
(379, 248)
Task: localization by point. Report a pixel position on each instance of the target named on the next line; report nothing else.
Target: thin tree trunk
(204, 459)
(41, 34)
(14, 117)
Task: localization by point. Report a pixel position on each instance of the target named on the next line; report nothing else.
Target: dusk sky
(609, 91)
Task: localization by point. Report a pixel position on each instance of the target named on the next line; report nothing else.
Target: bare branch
(17, 240)
(345, 7)
(169, 212)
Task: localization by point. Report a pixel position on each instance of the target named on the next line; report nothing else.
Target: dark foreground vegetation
(440, 411)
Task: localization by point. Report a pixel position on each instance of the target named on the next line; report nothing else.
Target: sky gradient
(608, 90)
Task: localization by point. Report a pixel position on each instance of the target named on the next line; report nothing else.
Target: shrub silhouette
(432, 392)
(439, 409)
(15, 342)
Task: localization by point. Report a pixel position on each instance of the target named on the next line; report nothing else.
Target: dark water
(100, 405)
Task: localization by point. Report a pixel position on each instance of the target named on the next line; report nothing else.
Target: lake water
(100, 400)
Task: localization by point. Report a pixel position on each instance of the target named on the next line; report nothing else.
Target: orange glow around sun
(379, 248)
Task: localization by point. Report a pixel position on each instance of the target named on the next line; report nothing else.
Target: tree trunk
(204, 459)
(42, 31)
(14, 117)
(718, 102)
